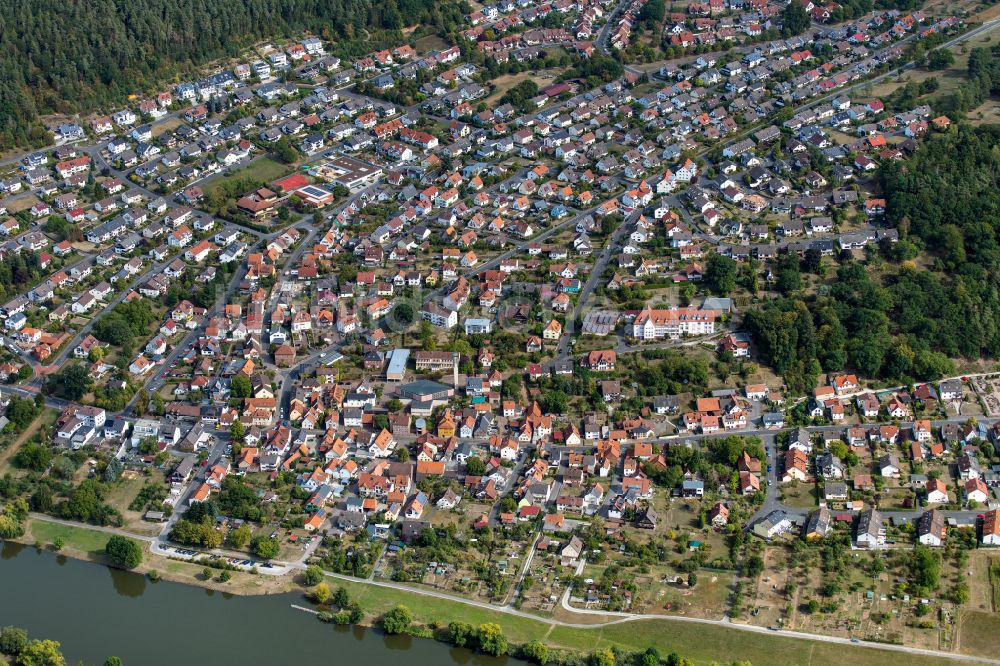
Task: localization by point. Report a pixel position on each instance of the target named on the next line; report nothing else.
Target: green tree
(21, 412)
(653, 12)
(13, 640)
(237, 431)
(341, 597)
(403, 313)
(755, 566)
(940, 59)
(33, 456)
(75, 381)
(123, 552)
(651, 657)
(794, 19)
(475, 466)
(313, 575)
(240, 387)
(461, 634)
(285, 151)
(720, 274)
(239, 537)
(925, 568)
(536, 651)
(397, 620)
(265, 547)
(112, 661)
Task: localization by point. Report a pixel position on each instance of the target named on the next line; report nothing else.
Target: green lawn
(78, 538)
(263, 168)
(701, 642)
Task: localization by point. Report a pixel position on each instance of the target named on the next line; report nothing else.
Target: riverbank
(701, 642)
(86, 544)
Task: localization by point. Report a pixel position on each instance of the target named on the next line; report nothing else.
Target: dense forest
(70, 55)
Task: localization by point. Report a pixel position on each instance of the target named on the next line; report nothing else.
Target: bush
(397, 620)
(460, 634)
(34, 457)
(313, 575)
(10, 528)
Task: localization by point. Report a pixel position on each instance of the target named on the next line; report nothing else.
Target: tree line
(64, 57)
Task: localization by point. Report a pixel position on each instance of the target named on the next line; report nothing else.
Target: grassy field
(263, 168)
(979, 633)
(508, 81)
(167, 125)
(20, 202)
(85, 543)
(702, 643)
(90, 542)
(986, 113)
(430, 43)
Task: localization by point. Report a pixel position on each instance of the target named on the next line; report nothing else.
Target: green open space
(703, 643)
(82, 539)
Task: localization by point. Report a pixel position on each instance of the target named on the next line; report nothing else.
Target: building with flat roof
(424, 390)
(396, 369)
(314, 195)
(474, 325)
(350, 172)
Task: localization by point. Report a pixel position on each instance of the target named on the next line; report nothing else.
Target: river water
(95, 611)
